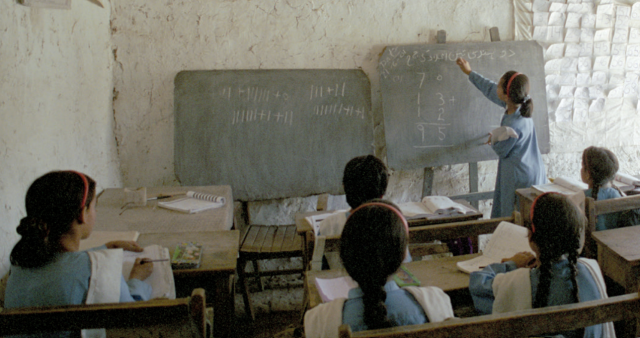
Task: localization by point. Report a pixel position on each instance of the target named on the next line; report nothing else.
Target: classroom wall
(55, 102)
(155, 40)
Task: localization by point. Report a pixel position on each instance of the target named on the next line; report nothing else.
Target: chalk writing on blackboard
(321, 91)
(399, 56)
(255, 94)
(255, 115)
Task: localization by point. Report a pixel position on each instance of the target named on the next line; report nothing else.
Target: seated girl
(599, 167)
(372, 248)
(556, 277)
(46, 267)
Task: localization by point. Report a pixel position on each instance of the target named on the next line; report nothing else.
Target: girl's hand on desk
(125, 245)
(141, 270)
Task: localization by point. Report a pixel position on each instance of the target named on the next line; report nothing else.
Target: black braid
(542, 294)
(375, 310)
(595, 190)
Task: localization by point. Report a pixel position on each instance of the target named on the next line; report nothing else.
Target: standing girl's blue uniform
(520, 164)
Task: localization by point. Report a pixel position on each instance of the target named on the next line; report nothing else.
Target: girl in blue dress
(554, 276)
(520, 164)
(599, 167)
(47, 268)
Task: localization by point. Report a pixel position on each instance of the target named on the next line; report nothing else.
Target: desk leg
(223, 305)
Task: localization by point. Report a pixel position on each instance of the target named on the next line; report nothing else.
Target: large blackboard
(270, 133)
(434, 116)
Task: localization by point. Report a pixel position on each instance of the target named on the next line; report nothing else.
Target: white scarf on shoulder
(324, 320)
(512, 291)
(104, 284)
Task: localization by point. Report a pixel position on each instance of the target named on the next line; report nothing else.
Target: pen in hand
(154, 260)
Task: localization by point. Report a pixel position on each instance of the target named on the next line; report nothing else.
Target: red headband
(86, 188)
(404, 220)
(533, 205)
(510, 80)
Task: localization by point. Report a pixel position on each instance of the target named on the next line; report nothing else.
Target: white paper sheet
(566, 92)
(564, 110)
(567, 79)
(572, 35)
(589, 20)
(599, 78)
(635, 11)
(596, 106)
(602, 63)
(620, 35)
(584, 64)
(616, 92)
(551, 79)
(602, 48)
(596, 92)
(617, 62)
(633, 64)
(582, 93)
(552, 92)
(334, 288)
(540, 19)
(558, 7)
(583, 79)
(573, 20)
(587, 34)
(634, 35)
(555, 51)
(586, 48)
(580, 109)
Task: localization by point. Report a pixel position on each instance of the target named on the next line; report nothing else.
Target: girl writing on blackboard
(553, 276)
(373, 245)
(520, 164)
(47, 268)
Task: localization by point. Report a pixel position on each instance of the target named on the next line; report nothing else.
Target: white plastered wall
(155, 40)
(55, 102)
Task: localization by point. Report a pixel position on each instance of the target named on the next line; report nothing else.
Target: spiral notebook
(194, 202)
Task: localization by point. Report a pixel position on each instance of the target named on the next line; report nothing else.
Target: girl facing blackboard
(520, 164)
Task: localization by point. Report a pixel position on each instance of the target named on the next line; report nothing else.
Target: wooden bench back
(522, 323)
(183, 317)
(594, 208)
(426, 234)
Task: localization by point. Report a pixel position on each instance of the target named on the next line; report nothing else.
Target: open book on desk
(506, 241)
(433, 207)
(562, 185)
(161, 280)
(622, 179)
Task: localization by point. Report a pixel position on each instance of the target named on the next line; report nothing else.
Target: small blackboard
(270, 133)
(434, 116)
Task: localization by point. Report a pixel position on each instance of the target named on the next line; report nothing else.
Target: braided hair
(364, 178)
(516, 87)
(53, 202)
(602, 165)
(372, 247)
(557, 228)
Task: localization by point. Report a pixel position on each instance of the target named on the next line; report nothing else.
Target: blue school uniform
(520, 164)
(481, 288)
(402, 308)
(610, 220)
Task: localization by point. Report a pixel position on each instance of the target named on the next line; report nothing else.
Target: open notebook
(434, 206)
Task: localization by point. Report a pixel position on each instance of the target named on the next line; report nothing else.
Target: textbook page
(443, 205)
(161, 280)
(506, 241)
(315, 220)
(99, 238)
(413, 210)
(562, 185)
(334, 288)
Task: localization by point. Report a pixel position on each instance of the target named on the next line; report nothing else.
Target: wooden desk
(619, 259)
(215, 274)
(304, 228)
(152, 218)
(441, 272)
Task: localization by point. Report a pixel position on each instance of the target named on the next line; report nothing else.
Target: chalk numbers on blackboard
(433, 128)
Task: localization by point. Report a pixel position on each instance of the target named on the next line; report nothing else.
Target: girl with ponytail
(372, 247)
(520, 164)
(46, 267)
(599, 167)
(556, 277)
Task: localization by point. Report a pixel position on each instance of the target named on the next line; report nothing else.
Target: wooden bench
(183, 317)
(595, 208)
(523, 323)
